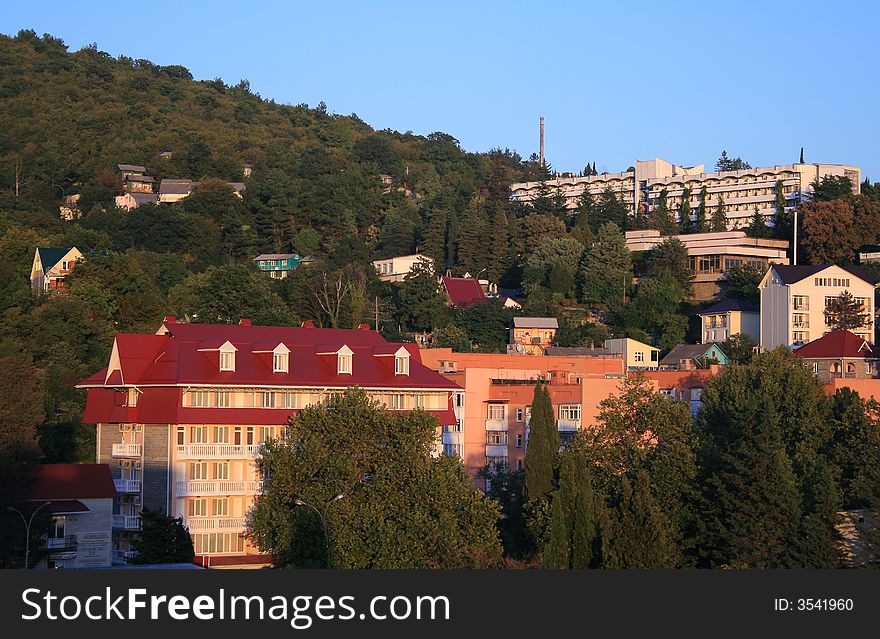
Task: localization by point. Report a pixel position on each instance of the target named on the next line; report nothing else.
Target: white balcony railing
(496, 424)
(127, 485)
(127, 450)
(568, 425)
(217, 451)
(127, 522)
(215, 523)
(218, 487)
(123, 555)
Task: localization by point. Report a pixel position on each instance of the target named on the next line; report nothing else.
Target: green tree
(663, 221)
(306, 241)
(162, 540)
(586, 210)
(757, 226)
(719, 217)
(726, 163)
(226, 294)
(471, 254)
(433, 242)
(855, 447)
(701, 223)
(573, 539)
(845, 312)
(671, 256)
(831, 187)
(739, 348)
(453, 337)
(553, 263)
(401, 507)
(543, 444)
(643, 536)
(782, 220)
(742, 282)
(606, 269)
(684, 212)
(609, 209)
(422, 304)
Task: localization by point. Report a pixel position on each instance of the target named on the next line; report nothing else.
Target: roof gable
(792, 274)
(464, 291)
(838, 344)
(73, 481)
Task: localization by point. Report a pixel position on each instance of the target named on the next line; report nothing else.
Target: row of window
(198, 471)
(236, 435)
(565, 411)
(295, 399)
(219, 507)
(281, 361)
(212, 543)
(832, 281)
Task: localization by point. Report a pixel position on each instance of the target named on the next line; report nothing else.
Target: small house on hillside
(686, 357)
(51, 267)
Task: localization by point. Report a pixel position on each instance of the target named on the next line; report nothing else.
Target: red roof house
(464, 291)
(840, 355)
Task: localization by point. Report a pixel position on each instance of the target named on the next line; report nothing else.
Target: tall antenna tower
(542, 141)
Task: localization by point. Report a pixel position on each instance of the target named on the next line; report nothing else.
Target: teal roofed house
(278, 265)
(685, 357)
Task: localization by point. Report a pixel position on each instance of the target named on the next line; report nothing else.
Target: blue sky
(615, 81)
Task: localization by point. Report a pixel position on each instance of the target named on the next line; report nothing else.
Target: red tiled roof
(464, 291)
(73, 481)
(838, 344)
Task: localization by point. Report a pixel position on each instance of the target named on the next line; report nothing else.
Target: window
(498, 463)
(496, 438)
(639, 356)
(236, 436)
(267, 399)
(198, 434)
(459, 399)
(211, 543)
(570, 411)
(199, 399)
(497, 411)
(266, 433)
(800, 337)
(250, 436)
(397, 401)
(181, 435)
(800, 320)
(198, 508)
(519, 414)
(227, 360)
(224, 399)
(220, 506)
(452, 450)
(132, 397)
(279, 363)
(401, 365)
(519, 464)
(800, 303)
(221, 434)
(519, 441)
(197, 471)
(220, 470)
(344, 363)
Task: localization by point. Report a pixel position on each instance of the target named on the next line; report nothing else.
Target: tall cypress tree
(585, 527)
(471, 255)
(642, 535)
(433, 242)
(684, 212)
(719, 217)
(701, 222)
(662, 220)
(542, 447)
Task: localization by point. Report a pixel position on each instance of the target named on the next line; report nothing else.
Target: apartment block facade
(181, 415)
(742, 191)
(493, 405)
(794, 299)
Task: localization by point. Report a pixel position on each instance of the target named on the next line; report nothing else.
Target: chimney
(244, 322)
(169, 319)
(364, 327)
(542, 141)
(307, 324)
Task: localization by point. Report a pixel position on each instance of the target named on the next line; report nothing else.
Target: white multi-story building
(742, 191)
(794, 299)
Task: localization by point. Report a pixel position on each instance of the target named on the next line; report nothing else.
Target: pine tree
(609, 209)
(585, 527)
(846, 313)
(757, 226)
(684, 212)
(585, 210)
(719, 217)
(605, 274)
(433, 242)
(499, 245)
(557, 552)
(471, 254)
(543, 444)
(642, 536)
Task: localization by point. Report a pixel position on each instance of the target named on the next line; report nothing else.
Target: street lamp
(27, 529)
(300, 502)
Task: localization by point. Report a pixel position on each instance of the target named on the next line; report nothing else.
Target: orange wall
(866, 388)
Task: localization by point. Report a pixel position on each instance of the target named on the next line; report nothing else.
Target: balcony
(127, 450)
(496, 424)
(59, 544)
(124, 555)
(839, 375)
(217, 451)
(127, 485)
(215, 523)
(127, 522)
(218, 487)
(568, 425)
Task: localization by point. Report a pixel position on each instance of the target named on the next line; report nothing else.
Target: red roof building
(840, 355)
(464, 291)
(181, 414)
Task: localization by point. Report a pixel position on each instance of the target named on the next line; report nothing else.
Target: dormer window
(227, 357)
(343, 360)
(401, 365)
(279, 363)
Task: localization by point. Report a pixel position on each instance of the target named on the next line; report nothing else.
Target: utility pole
(794, 248)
